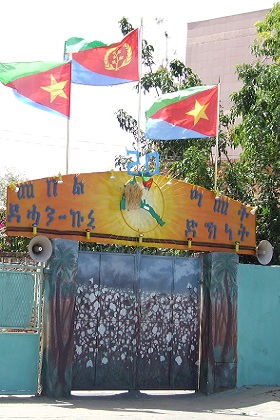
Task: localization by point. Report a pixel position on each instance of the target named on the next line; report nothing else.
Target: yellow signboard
(122, 209)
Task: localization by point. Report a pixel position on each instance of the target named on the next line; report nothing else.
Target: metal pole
(217, 139)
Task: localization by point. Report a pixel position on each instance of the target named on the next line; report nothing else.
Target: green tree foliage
(254, 178)
(9, 177)
(267, 42)
(161, 80)
(258, 105)
(12, 243)
(192, 159)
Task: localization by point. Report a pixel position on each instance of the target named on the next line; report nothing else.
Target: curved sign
(117, 208)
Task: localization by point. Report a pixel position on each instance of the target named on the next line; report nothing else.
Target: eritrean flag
(45, 85)
(185, 114)
(97, 64)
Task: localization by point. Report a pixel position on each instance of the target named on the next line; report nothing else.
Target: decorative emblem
(142, 206)
(116, 58)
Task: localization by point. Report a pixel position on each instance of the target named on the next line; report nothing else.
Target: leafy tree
(9, 177)
(254, 178)
(12, 243)
(162, 80)
(192, 159)
(258, 105)
(267, 42)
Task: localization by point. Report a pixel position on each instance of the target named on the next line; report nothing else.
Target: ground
(258, 401)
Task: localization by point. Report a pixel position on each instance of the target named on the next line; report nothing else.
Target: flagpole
(68, 123)
(217, 139)
(67, 146)
(139, 83)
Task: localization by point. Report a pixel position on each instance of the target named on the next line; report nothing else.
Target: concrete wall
(258, 325)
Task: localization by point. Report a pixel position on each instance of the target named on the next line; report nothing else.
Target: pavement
(258, 401)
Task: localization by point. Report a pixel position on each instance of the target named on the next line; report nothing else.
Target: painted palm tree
(207, 350)
(218, 315)
(61, 303)
(224, 287)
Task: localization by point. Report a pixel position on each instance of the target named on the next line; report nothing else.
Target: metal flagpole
(67, 146)
(139, 83)
(68, 122)
(217, 139)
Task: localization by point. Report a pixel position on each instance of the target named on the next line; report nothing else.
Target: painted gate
(136, 322)
(20, 319)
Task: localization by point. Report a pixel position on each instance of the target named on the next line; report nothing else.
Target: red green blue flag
(147, 181)
(97, 64)
(185, 114)
(45, 85)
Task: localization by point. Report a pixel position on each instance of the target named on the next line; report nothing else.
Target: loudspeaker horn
(40, 248)
(264, 252)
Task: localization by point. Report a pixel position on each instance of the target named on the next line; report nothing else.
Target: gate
(136, 322)
(20, 319)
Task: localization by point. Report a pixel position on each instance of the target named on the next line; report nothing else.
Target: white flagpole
(68, 123)
(217, 139)
(67, 146)
(139, 83)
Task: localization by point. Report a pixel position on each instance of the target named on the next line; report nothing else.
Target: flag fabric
(147, 181)
(45, 85)
(185, 114)
(100, 65)
(75, 44)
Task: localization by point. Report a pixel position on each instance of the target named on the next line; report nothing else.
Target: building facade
(216, 46)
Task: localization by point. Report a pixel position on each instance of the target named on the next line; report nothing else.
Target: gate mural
(136, 322)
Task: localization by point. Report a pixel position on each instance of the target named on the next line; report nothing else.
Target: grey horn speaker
(40, 248)
(264, 252)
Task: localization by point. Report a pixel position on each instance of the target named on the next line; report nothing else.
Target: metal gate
(20, 320)
(136, 322)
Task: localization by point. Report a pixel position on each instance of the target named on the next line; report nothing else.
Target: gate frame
(22, 344)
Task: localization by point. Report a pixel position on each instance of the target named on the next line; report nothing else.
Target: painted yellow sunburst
(129, 223)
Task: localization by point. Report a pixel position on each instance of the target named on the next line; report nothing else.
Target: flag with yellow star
(185, 114)
(45, 85)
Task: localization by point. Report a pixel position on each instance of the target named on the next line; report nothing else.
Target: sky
(32, 141)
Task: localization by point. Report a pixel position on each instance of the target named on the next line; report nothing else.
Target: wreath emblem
(118, 58)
